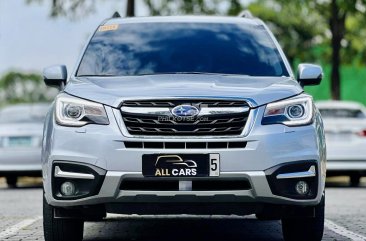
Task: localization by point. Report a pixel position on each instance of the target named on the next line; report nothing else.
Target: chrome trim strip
(250, 101)
(310, 173)
(222, 110)
(166, 111)
(147, 110)
(75, 175)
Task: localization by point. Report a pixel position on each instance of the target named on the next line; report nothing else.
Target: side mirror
(309, 74)
(55, 76)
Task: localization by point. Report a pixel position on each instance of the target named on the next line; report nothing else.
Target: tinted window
(153, 48)
(342, 113)
(24, 114)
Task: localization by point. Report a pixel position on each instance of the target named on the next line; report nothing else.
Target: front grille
(162, 124)
(184, 145)
(173, 103)
(158, 184)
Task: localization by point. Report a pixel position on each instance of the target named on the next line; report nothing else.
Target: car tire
(305, 229)
(57, 229)
(355, 180)
(11, 181)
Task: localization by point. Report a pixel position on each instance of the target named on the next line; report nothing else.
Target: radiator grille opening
(185, 145)
(231, 123)
(166, 184)
(175, 102)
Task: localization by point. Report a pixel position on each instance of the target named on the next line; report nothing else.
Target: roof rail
(245, 14)
(116, 15)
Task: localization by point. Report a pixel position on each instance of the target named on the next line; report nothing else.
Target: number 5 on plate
(214, 165)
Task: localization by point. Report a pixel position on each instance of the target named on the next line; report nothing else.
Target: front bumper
(103, 147)
(111, 191)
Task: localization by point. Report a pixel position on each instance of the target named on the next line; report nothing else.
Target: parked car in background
(345, 130)
(21, 128)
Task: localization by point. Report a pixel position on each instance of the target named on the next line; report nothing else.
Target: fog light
(302, 188)
(68, 189)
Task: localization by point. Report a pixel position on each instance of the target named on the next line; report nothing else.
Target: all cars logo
(174, 165)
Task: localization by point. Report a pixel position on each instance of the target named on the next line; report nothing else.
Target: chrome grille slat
(207, 131)
(175, 102)
(154, 118)
(197, 122)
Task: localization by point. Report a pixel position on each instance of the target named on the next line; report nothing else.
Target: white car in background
(345, 131)
(21, 129)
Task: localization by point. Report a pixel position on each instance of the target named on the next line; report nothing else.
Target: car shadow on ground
(179, 229)
(23, 183)
(34, 186)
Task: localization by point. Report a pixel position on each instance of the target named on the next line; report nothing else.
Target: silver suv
(183, 115)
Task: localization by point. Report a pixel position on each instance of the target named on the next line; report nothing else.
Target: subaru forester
(183, 115)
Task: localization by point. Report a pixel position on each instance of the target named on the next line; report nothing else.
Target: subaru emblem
(185, 111)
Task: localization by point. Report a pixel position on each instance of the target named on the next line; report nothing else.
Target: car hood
(114, 90)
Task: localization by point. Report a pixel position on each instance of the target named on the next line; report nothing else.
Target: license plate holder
(181, 165)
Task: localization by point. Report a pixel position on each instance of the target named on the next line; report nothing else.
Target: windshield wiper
(187, 72)
(158, 73)
(97, 75)
(193, 72)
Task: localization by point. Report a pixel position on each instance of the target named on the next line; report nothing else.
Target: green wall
(353, 85)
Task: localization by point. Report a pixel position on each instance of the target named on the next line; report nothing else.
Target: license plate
(181, 165)
(19, 141)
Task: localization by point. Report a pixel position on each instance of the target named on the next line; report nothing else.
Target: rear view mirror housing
(55, 76)
(309, 74)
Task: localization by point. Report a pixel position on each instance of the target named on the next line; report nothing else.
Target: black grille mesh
(207, 125)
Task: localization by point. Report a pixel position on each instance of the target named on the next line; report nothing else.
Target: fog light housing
(68, 189)
(302, 188)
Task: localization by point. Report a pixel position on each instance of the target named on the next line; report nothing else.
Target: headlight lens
(72, 111)
(291, 112)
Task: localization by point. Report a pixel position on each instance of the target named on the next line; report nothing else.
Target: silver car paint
(103, 146)
(21, 159)
(345, 149)
(113, 90)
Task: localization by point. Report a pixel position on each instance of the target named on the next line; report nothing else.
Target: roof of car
(337, 104)
(187, 19)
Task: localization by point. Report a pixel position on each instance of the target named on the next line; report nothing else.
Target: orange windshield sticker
(110, 27)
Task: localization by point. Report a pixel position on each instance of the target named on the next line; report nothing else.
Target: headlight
(291, 112)
(72, 111)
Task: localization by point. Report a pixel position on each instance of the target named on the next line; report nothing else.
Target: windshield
(158, 48)
(24, 114)
(342, 113)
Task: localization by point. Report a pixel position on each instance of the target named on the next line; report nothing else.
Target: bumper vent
(157, 184)
(154, 118)
(184, 145)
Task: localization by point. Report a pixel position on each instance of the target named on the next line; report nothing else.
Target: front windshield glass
(158, 48)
